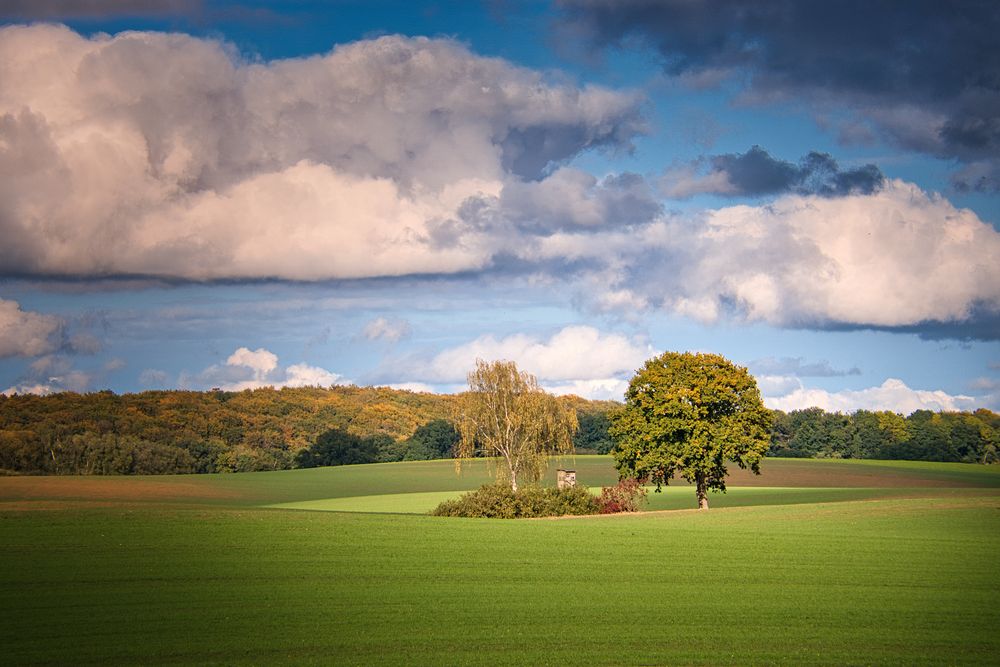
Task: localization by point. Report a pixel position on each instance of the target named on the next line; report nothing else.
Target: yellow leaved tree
(505, 414)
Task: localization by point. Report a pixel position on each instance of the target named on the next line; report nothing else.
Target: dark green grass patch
(899, 581)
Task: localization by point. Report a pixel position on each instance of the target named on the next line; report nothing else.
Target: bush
(498, 501)
(538, 501)
(626, 496)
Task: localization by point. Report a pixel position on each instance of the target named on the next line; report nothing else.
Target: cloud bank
(897, 257)
(166, 155)
(926, 74)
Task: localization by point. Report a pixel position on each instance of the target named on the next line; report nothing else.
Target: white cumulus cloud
(416, 387)
(777, 385)
(304, 375)
(893, 394)
(896, 257)
(260, 361)
(252, 369)
(153, 378)
(892, 258)
(24, 333)
(577, 359)
(167, 154)
(36, 388)
(607, 389)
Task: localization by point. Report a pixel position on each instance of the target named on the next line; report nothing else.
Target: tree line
(966, 437)
(163, 432)
(160, 432)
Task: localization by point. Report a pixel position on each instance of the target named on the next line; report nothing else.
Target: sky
(214, 193)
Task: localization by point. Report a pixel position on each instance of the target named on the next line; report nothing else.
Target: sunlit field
(818, 562)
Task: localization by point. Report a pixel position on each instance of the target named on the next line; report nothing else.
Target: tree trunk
(702, 489)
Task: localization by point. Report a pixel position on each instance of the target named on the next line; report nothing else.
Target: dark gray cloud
(925, 72)
(61, 10)
(530, 152)
(983, 324)
(757, 173)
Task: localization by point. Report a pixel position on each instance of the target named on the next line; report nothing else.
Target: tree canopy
(159, 432)
(434, 440)
(337, 447)
(506, 414)
(592, 436)
(688, 415)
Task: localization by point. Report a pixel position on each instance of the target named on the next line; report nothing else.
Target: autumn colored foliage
(161, 432)
(626, 496)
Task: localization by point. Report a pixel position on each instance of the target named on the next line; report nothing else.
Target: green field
(814, 562)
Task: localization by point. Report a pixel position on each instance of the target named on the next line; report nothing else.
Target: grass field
(821, 562)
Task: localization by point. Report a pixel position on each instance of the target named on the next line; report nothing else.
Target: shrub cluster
(626, 496)
(500, 502)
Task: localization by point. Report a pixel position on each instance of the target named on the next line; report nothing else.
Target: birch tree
(506, 415)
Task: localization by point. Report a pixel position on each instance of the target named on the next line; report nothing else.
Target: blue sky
(205, 194)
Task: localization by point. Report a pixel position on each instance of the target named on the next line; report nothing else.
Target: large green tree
(507, 415)
(687, 415)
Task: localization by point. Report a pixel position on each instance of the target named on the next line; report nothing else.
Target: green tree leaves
(688, 415)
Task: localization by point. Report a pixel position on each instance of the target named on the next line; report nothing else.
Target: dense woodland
(161, 432)
(158, 432)
(967, 437)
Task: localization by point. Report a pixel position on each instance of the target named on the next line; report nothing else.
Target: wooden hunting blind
(565, 478)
